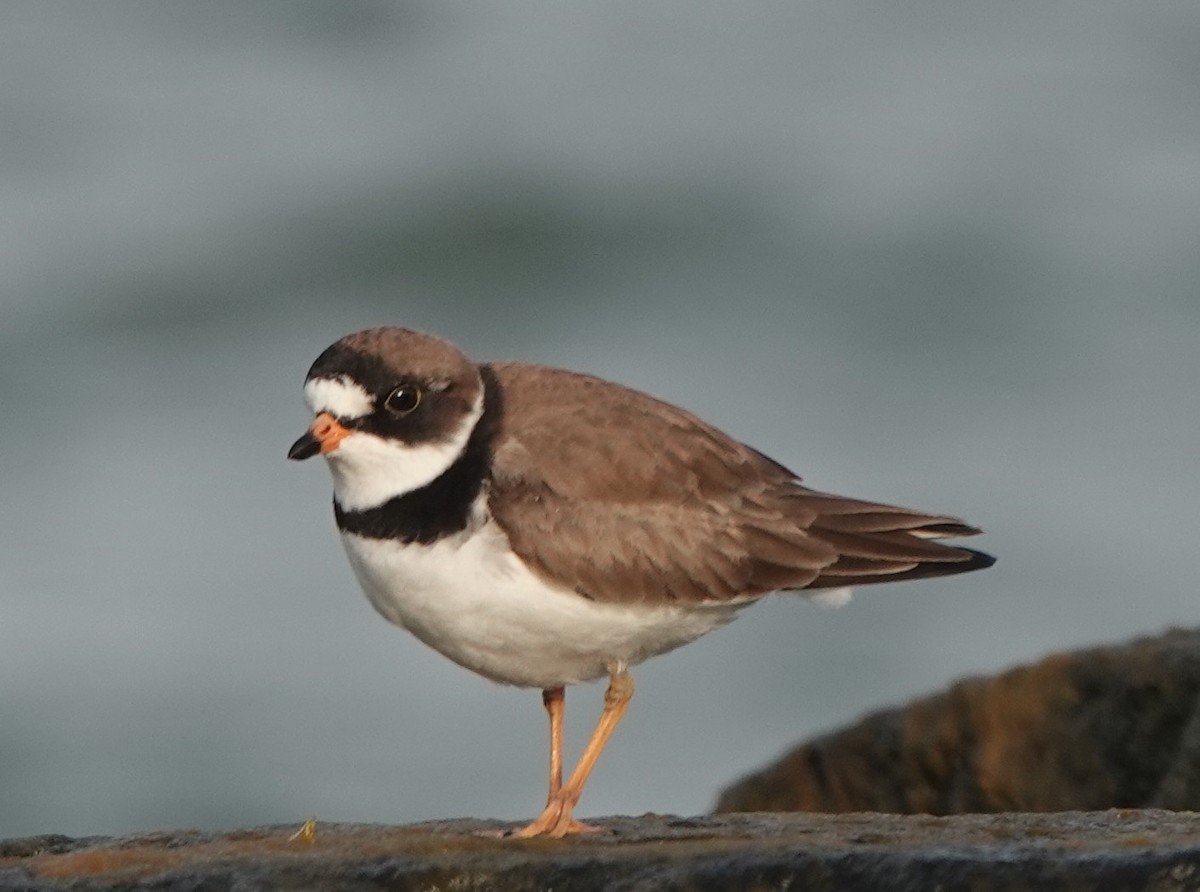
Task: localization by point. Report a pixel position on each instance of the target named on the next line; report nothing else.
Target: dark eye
(403, 399)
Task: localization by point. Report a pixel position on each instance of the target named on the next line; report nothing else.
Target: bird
(543, 527)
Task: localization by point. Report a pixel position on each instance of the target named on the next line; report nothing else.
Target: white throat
(369, 470)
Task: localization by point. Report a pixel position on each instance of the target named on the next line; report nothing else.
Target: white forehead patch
(340, 397)
(369, 470)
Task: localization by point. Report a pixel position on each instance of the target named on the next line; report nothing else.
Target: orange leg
(554, 699)
(556, 820)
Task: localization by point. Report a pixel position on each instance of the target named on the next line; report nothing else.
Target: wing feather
(630, 500)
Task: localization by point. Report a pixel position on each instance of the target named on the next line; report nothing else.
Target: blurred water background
(939, 254)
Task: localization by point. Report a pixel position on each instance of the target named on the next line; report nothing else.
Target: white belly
(471, 599)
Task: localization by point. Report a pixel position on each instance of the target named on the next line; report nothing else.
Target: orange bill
(323, 436)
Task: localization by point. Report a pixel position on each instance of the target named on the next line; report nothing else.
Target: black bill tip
(306, 447)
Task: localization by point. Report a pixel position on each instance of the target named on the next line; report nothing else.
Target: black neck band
(443, 506)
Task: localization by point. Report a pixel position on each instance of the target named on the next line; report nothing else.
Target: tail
(881, 543)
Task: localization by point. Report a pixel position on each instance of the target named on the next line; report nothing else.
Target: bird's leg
(554, 699)
(555, 820)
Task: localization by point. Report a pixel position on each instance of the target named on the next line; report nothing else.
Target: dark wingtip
(950, 529)
(973, 560)
(979, 560)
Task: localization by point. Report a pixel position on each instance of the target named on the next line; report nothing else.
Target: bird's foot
(555, 821)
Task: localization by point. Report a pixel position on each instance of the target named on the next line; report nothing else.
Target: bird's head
(393, 408)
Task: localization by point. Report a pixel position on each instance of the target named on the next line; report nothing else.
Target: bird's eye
(403, 399)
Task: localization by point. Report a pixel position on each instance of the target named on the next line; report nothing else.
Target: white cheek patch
(368, 470)
(340, 397)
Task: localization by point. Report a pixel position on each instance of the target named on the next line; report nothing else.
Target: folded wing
(643, 503)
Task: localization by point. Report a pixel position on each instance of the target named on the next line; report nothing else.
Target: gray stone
(1156, 850)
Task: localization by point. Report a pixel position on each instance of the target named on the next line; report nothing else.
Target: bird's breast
(471, 598)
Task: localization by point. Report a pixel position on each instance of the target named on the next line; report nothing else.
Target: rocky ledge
(1125, 850)
(1105, 727)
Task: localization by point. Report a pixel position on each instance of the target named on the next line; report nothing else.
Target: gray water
(939, 254)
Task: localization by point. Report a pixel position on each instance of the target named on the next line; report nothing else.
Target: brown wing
(626, 499)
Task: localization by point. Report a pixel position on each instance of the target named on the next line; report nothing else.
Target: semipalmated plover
(542, 527)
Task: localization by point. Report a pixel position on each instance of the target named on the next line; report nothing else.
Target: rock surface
(1109, 727)
(1154, 850)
